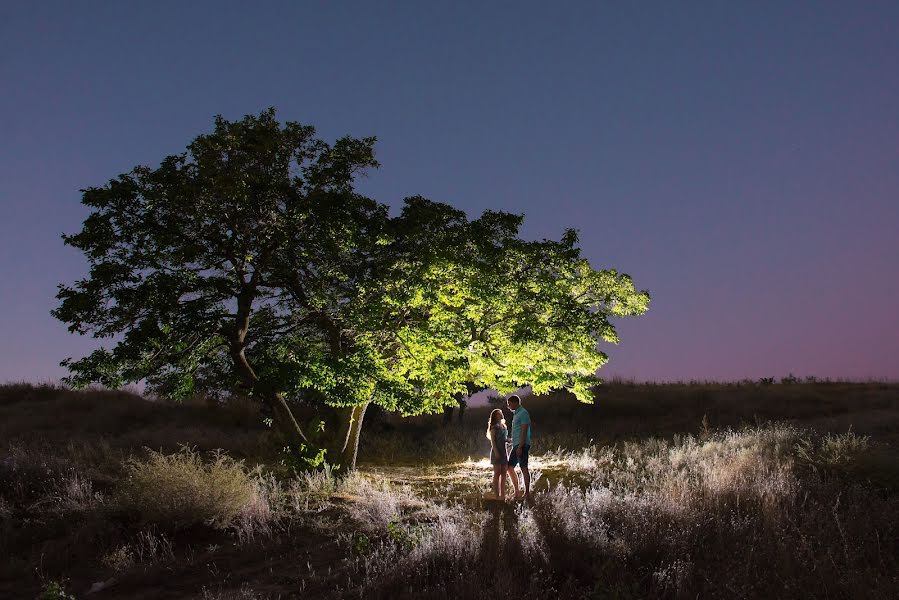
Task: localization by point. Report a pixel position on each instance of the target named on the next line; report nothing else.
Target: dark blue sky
(739, 160)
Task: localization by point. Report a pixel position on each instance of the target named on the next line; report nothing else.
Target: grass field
(664, 491)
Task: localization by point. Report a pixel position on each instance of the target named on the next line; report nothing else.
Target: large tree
(249, 263)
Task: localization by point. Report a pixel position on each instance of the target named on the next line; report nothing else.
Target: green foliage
(55, 590)
(405, 536)
(469, 301)
(218, 253)
(305, 456)
(361, 543)
(249, 260)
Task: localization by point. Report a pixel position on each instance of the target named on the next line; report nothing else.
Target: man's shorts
(515, 460)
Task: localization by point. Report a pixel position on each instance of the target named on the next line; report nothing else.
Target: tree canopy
(250, 262)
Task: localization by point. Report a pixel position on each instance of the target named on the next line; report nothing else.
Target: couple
(500, 458)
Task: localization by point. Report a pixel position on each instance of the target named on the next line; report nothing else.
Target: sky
(739, 160)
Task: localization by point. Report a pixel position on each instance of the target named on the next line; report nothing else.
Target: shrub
(832, 451)
(119, 559)
(55, 590)
(361, 542)
(180, 490)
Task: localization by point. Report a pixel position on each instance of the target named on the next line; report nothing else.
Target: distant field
(666, 491)
(633, 411)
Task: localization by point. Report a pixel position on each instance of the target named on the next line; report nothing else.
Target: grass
(626, 411)
(659, 491)
(757, 512)
(182, 489)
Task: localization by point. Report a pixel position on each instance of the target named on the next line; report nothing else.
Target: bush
(55, 590)
(180, 490)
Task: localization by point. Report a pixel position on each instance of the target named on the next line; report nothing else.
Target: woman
(497, 434)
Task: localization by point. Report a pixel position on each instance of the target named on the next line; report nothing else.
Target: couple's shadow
(501, 539)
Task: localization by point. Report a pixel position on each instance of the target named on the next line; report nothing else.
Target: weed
(361, 542)
(405, 536)
(119, 559)
(55, 590)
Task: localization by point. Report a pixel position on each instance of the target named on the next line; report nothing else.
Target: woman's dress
(498, 454)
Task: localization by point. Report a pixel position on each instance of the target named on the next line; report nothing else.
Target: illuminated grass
(758, 512)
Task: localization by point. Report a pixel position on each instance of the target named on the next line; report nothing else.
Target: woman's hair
(495, 417)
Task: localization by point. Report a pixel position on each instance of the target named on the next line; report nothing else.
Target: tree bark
(283, 418)
(448, 414)
(347, 445)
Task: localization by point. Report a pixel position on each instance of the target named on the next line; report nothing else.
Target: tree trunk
(347, 445)
(283, 418)
(448, 414)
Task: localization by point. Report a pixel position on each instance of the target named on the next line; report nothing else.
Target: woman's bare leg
(497, 474)
(514, 476)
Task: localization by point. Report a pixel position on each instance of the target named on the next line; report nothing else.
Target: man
(521, 445)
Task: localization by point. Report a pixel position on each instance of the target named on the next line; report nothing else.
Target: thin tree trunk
(347, 446)
(448, 414)
(282, 416)
(463, 404)
(284, 419)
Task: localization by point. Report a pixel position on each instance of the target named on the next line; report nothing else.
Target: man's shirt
(520, 417)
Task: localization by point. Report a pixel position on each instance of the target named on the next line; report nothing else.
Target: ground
(711, 490)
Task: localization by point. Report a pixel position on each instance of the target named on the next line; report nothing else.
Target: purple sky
(739, 160)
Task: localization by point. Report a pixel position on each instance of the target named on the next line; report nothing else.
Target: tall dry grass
(681, 493)
(770, 512)
(183, 489)
(629, 411)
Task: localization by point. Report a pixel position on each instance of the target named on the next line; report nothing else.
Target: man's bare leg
(527, 482)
